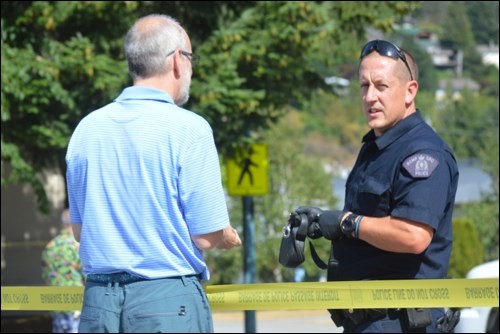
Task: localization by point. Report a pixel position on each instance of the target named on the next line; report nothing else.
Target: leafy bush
(467, 251)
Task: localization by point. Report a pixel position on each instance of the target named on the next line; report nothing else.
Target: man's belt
(126, 278)
(120, 278)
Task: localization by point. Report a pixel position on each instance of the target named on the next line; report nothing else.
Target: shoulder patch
(420, 165)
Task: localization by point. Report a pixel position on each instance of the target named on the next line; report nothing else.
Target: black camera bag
(293, 243)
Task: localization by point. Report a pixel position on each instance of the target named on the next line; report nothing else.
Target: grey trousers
(177, 305)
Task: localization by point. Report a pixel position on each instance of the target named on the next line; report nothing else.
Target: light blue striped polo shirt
(143, 175)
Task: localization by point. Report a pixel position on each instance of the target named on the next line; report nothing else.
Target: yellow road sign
(248, 172)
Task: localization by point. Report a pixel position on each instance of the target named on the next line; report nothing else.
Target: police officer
(397, 217)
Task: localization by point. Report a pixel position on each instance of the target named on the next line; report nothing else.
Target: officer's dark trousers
(394, 322)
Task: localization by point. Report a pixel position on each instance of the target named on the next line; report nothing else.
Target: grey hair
(148, 43)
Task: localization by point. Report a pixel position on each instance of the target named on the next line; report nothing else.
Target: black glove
(313, 214)
(448, 321)
(322, 222)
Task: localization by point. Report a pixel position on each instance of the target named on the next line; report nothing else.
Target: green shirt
(61, 264)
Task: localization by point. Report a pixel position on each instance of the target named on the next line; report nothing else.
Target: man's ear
(176, 66)
(411, 91)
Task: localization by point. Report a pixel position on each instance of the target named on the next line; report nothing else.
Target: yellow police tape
(292, 296)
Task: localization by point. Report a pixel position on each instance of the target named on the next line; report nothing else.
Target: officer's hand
(313, 214)
(323, 222)
(329, 223)
(448, 321)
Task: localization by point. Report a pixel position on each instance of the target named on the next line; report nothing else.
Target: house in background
(446, 58)
(451, 88)
(489, 54)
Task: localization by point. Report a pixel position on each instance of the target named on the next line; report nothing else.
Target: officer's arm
(396, 234)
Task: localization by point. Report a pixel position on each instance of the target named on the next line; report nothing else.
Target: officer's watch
(348, 225)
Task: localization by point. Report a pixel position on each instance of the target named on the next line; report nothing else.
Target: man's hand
(230, 238)
(223, 239)
(322, 222)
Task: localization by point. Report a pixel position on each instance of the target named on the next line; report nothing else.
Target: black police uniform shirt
(408, 172)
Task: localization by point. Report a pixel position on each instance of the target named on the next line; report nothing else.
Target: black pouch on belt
(418, 317)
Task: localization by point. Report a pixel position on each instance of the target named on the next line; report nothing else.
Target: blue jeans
(177, 305)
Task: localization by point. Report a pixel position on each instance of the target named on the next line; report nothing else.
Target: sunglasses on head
(387, 49)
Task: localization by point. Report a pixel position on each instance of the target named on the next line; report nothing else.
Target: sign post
(247, 176)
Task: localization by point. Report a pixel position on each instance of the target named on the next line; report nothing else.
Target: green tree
(432, 12)
(471, 126)
(467, 251)
(295, 178)
(457, 30)
(467, 122)
(274, 55)
(61, 60)
(483, 16)
(47, 84)
(484, 215)
(457, 34)
(335, 125)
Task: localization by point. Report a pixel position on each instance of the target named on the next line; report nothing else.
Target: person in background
(397, 217)
(145, 194)
(61, 266)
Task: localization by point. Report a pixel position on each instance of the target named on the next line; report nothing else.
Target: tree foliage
(483, 16)
(61, 60)
(467, 251)
(457, 30)
(275, 54)
(470, 125)
(467, 123)
(485, 216)
(295, 178)
(52, 76)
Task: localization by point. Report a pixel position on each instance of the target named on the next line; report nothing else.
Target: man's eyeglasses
(195, 59)
(387, 49)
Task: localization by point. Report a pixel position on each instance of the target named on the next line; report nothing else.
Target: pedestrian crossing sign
(248, 171)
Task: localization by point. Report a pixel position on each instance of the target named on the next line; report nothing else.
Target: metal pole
(249, 256)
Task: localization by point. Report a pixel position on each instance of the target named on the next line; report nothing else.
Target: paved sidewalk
(292, 321)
